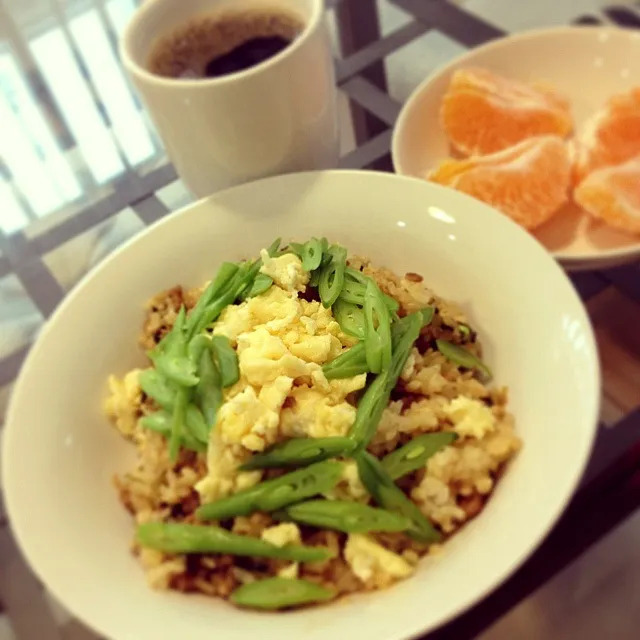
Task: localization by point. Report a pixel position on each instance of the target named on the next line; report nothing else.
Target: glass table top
(73, 130)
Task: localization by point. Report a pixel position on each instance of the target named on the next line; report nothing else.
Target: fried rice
(432, 395)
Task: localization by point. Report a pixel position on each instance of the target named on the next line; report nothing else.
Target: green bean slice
(414, 454)
(297, 248)
(332, 277)
(355, 286)
(464, 329)
(274, 248)
(193, 538)
(260, 285)
(427, 316)
(384, 491)
(158, 388)
(377, 338)
(353, 361)
(225, 274)
(275, 494)
(350, 317)
(160, 422)
(226, 359)
(208, 393)
(348, 364)
(177, 424)
(462, 358)
(235, 288)
(312, 253)
(171, 358)
(272, 594)
(349, 517)
(298, 452)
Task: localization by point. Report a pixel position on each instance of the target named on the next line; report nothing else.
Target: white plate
(587, 64)
(60, 453)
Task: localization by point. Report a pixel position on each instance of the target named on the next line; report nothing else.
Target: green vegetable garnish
(177, 424)
(377, 334)
(208, 393)
(348, 364)
(462, 358)
(350, 517)
(464, 330)
(160, 421)
(158, 388)
(384, 491)
(415, 453)
(227, 360)
(332, 276)
(350, 317)
(260, 285)
(277, 493)
(171, 358)
(312, 253)
(191, 538)
(274, 248)
(224, 276)
(280, 593)
(298, 452)
(376, 397)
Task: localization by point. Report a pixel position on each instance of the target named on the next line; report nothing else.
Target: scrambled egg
(124, 401)
(281, 535)
(350, 487)
(471, 418)
(282, 342)
(372, 563)
(286, 271)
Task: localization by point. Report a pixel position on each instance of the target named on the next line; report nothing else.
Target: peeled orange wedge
(483, 112)
(612, 195)
(610, 137)
(529, 182)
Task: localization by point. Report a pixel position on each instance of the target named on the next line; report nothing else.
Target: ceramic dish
(586, 64)
(60, 454)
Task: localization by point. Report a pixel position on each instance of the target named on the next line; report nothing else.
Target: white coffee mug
(277, 117)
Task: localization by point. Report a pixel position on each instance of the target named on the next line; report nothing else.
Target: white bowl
(588, 65)
(60, 453)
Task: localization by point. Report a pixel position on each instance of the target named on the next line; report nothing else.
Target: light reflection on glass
(401, 224)
(55, 59)
(452, 237)
(107, 77)
(442, 216)
(120, 12)
(12, 216)
(25, 166)
(50, 170)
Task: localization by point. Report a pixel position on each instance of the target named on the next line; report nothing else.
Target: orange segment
(612, 194)
(483, 112)
(611, 136)
(529, 182)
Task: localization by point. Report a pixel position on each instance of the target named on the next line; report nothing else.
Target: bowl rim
(594, 380)
(622, 255)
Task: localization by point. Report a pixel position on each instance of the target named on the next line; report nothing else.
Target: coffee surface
(218, 45)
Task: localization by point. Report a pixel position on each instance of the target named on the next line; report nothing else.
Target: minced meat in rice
(432, 395)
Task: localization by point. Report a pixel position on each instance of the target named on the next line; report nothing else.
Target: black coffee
(219, 45)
